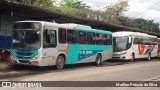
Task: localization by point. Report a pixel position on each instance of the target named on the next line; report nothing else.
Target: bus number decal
(82, 54)
(85, 52)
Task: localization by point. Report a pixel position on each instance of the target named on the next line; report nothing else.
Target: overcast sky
(148, 9)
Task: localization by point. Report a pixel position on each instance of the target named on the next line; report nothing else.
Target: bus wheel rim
(60, 62)
(132, 58)
(149, 57)
(98, 60)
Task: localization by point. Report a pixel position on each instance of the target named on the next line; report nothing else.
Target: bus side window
(99, 39)
(107, 39)
(90, 38)
(53, 37)
(154, 41)
(137, 40)
(49, 38)
(62, 35)
(71, 36)
(81, 37)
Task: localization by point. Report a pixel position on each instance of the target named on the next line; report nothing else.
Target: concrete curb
(156, 78)
(13, 74)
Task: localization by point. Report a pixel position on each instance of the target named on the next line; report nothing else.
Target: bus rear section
(89, 45)
(134, 45)
(84, 45)
(158, 55)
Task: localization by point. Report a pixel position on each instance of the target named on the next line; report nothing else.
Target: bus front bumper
(122, 56)
(35, 62)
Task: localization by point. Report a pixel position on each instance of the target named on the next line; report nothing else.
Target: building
(11, 12)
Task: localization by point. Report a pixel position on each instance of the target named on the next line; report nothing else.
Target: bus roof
(77, 25)
(92, 30)
(71, 26)
(68, 25)
(127, 33)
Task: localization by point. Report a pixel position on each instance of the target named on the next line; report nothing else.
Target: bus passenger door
(49, 47)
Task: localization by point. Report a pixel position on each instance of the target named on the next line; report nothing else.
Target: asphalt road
(140, 70)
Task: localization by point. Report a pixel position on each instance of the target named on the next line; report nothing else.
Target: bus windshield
(120, 43)
(26, 39)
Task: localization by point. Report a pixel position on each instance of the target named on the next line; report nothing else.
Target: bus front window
(26, 39)
(120, 43)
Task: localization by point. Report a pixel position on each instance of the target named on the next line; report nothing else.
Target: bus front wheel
(132, 58)
(98, 60)
(149, 57)
(60, 62)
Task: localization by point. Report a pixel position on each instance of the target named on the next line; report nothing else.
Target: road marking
(154, 79)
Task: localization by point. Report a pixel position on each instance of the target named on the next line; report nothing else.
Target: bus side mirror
(129, 40)
(44, 45)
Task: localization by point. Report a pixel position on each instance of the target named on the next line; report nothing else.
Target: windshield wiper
(116, 48)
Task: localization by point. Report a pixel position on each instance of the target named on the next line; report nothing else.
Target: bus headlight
(123, 53)
(12, 56)
(36, 56)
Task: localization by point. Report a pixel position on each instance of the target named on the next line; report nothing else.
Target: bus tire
(149, 56)
(60, 62)
(98, 60)
(132, 57)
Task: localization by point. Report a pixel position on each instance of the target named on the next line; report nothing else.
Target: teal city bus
(42, 43)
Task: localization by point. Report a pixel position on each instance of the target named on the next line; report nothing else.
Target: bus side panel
(142, 51)
(155, 51)
(49, 56)
(137, 51)
(80, 53)
(71, 54)
(158, 54)
(108, 53)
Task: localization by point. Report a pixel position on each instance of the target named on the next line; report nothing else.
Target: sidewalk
(156, 79)
(7, 72)
(4, 65)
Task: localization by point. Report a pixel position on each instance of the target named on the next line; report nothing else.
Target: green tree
(42, 3)
(144, 24)
(114, 13)
(74, 7)
(74, 4)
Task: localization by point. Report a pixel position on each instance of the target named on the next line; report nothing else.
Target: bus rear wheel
(98, 60)
(149, 57)
(60, 62)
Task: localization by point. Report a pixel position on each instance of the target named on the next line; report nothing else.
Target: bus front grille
(24, 54)
(21, 57)
(23, 61)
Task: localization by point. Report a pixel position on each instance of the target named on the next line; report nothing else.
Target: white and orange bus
(134, 45)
